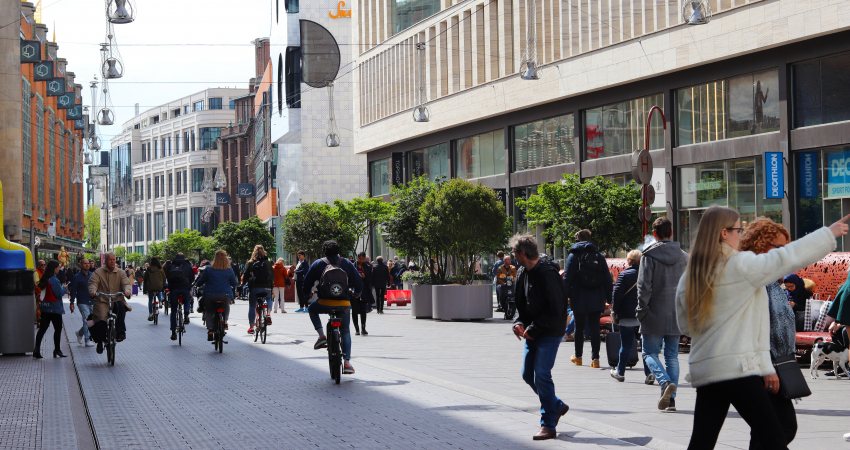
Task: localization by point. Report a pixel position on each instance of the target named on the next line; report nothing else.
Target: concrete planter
(462, 302)
(420, 305)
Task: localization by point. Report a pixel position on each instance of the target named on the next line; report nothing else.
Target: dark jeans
(538, 360)
(44, 322)
(627, 343)
(301, 292)
(784, 409)
(315, 309)
(98, 330)
(500, 296)
(380, 295)
(362, 319)
(187, 306)
(589, 323)
(750, 399)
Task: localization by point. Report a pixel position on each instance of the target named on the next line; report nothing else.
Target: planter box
(462, 302)
(420, 306)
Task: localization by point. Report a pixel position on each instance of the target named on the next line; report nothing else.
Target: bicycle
(156, 306)
(109, 345)
(261, 318)
(334, 337)
(181, 327)
(219, 326)
(165, 302)
(510, 303)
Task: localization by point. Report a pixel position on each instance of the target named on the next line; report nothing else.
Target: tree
(459, 221)
(401, 227)
(307, 226)
(188, 242)
(91, 227)
(120, 252)
(136, 259)
(157, 250)
(358, 215)
(239, 239)
(610, 211)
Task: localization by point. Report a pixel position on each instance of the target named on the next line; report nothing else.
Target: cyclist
(109, 278)
(178, 273)
(260, 277)
(505, 270)
(153, 284)
(326, 272)
(218, 281)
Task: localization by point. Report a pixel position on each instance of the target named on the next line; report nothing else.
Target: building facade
(42, 168)
(163, 169)
(756, 101)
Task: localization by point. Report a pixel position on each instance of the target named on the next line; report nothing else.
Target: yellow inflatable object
(11, 253)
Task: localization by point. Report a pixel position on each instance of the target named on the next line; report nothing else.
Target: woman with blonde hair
(219, 283)
(722, 304)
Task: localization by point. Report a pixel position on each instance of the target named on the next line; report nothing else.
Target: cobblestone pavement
(419, 384)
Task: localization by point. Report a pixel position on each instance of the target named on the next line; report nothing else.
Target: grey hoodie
(661, 266)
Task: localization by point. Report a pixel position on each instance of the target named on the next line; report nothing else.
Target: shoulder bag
(792, 383)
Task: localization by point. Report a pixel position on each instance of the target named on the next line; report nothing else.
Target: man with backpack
(588, 284)
(179, 275)
(260, 278)
(337, 281)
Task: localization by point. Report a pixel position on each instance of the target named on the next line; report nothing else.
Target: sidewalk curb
(79, 388)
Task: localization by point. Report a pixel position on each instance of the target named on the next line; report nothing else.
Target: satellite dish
(319, 55)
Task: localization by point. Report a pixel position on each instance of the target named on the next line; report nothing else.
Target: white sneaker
(79, 337)
(88, 343)
(275, 311)
(847, 437)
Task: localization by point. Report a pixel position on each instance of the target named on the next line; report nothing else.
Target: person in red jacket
(279, 287)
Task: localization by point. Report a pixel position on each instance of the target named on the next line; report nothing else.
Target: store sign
(222, 198)
(341, 12)
(75, 112)
(838, 174)
(245, 190)
(502, 195)
(56, 87)
(807, 172)
(397, 169)
(66, 101)
(43, 71)
(774, 175)
(30, 51)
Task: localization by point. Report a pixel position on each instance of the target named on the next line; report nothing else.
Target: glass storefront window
(822, 90)
(405, 13)
(618, 129)
(431, 162)
(734, 107)
(379, 177)
(481, 156)
(738, 184)
(544, 143)
(822, 180)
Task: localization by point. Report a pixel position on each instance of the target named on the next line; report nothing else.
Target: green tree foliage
(91, 227)
(120, 252)
(188, 242)
(157, 250)
(401, 228)
(239, 239)
(136, 259)
(610, 211)
(357, 216)
(309, 225)
(459, 221)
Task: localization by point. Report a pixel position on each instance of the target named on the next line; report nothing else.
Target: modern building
(163, 167)
(303, 116)
(41, 161)
(757, 102)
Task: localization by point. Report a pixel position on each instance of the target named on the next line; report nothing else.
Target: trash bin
(17, 311)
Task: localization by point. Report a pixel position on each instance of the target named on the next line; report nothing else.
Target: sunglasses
(738, 229)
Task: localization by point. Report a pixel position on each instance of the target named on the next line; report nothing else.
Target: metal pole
(655, 108)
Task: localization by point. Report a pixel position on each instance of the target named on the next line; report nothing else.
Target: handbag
(792, 383)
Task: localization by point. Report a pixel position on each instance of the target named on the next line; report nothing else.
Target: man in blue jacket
(327, 303)
(79, 292)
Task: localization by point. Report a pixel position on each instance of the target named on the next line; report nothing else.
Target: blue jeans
(571, 326)
(315, 309)
(538, 360)
(252, 303)
(187, 305)
(652, 347)
(85, 310)
(151, 296)
(627, 343)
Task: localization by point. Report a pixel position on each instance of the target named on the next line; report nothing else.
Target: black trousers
(362, 320)
(380, 295)
(750, 399)
(43, 323)
(303, 298)
(784, 409)
(587, 323)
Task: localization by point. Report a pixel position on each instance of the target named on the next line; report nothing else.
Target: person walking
(397, 271)
(661, 267)
(722, 303)
(52, 309)
(78, 291)
(279, 285)
(623, 304)
(588, 284)
(301, 292)
(153, 284)
(761, 236)
(360, 307)
(542, 321)
(179, 275)
(260, 278)
(380, 281)
(219, 283)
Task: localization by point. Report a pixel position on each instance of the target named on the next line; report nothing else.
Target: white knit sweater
(736, 341)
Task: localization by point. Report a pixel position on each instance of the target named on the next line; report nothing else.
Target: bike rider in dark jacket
(179, 275)
(542, 321)
(323, 306)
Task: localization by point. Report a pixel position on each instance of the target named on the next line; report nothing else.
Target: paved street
(419, 384)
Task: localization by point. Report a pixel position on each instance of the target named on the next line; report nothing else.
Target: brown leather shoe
(543, 434)
(594, 364)
(562, 413)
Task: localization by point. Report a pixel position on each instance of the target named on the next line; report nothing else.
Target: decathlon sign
(838, 174)
(808, 174)
(774, 175)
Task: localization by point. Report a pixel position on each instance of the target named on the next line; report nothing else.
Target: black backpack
(175, 275)
(591, 269)
(333, 284)
(260, 271)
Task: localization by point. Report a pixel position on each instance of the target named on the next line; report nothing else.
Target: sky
(173, 48)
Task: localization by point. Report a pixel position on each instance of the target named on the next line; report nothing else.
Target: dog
(821, 351)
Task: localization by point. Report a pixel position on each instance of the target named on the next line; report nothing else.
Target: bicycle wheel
(258, 321)
(110, 345)
(179, 326)
(219, 332)
(156, 316)
(335, 356)
(263, 334)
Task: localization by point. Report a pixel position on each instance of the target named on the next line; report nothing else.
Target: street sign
(647, 193)
(644, 213)
(642, 167)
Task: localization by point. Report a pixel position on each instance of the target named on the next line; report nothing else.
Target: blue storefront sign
(807, 174)
(774, 175)
(838, 174)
